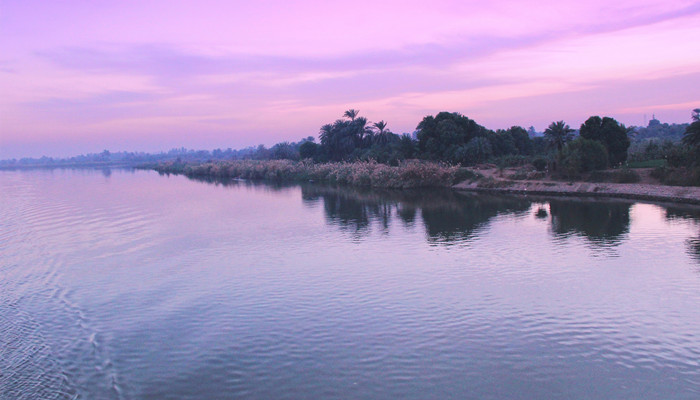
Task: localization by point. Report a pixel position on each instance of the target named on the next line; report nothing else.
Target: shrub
(464, 174)
(679, 156)
(406, 174)
(477, 150)
(677, 176)
(540, 164)
(583, 155)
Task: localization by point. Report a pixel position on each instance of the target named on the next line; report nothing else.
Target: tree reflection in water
(448, 216)
(468, 214)
(687, 213)
(451, 217)
(604, 223)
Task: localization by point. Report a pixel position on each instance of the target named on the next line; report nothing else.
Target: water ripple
(146, 287)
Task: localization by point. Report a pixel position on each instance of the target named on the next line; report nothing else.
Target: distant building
(653, 122)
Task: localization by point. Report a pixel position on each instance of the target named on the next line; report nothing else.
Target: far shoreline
(529, 187)
(421, 174)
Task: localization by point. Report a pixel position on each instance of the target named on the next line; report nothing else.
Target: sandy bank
(638, 191)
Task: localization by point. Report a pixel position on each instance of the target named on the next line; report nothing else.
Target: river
(122, 284)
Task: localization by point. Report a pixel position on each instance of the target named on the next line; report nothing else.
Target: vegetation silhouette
(453, 138)
(449, 138)
(604, 223)
(468, 215)
(448, 217)
(558, 134)
(688, 213)
(692, 132)
(610, 133)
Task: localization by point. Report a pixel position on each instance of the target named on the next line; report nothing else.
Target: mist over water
(131, 285)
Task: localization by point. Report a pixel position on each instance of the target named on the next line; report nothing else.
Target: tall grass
(407, 174)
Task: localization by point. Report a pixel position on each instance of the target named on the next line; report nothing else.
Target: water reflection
(674, 213)
(604, 223)
(160, 287)
(450, 217)
(677, 212)
(467, 214)
(272, 187)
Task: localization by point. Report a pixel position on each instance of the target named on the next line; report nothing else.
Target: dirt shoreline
(635, 191)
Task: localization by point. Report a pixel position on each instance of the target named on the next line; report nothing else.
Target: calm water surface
(131, 285)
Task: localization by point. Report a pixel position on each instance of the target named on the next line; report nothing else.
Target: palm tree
(691, 137)
(361, 128)
(325, 134)
(351, 113)
(381, 125)
(558, 134)
(381, 137)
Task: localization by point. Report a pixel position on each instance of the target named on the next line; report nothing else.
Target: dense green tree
(611, 134)
(309, 149)
(407, 147)
(284, 151)
(521, 139)
(440, 137)
(262, 153)
(514, 140)
(338, 139)
(476, 151)
(502, 143)
(343, 139)
(583, 155)
(558, 134)
(540, 145)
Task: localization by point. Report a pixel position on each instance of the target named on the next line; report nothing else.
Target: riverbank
(408, 174)
(414, 174)
(635, 191)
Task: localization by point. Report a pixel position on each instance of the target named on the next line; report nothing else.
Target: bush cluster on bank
(408, 174)
(677, 176)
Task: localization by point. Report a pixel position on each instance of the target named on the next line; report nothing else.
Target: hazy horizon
(156, 150)
(150, 76)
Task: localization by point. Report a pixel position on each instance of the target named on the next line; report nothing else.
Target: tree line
(600, 142)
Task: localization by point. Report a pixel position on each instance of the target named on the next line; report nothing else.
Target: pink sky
(80, 76)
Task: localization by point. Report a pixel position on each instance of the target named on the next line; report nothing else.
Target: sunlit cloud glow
(153, 75)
